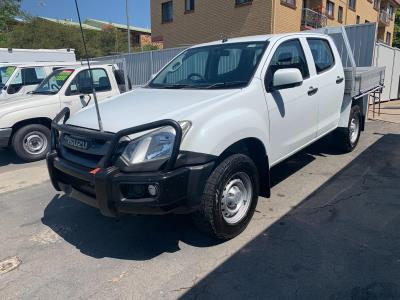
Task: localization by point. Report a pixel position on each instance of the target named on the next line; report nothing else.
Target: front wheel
(347, 138)
(31, 142)
(229, 198)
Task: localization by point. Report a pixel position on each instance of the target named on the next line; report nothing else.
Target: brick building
(185, 22)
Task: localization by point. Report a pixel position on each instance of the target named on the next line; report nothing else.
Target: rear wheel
(229, 199)
(31, 142)
(347, 138)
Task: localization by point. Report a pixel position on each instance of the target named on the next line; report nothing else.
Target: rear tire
(31, 142)
(229, 199)
(347, 138)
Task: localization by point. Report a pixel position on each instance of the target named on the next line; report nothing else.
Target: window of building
(391, 12)
(290, 3)
(289, 55)
(167, 12)
(376, 4)
(352, 4)
(358, 20)
(189, 5)
(366, 21)
(388, 38)
(242, 2)
(330, 9)
(322, 54)
(340, 14)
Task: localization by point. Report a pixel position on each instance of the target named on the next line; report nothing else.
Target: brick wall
(211, 20)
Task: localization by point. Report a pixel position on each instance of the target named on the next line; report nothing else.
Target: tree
(9, 10)
(37, 33)
(396, 38)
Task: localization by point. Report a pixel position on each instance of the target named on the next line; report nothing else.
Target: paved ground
(390, 112)
(330, 231)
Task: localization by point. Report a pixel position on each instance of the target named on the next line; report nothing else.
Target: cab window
(82, 82)
(26, 76)
(322, 54)
(289, 55)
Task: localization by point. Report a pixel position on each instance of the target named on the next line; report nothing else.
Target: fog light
(153, 190)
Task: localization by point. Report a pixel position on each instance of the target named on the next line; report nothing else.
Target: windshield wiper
(44, 92)
(173, 86)
(225, 84)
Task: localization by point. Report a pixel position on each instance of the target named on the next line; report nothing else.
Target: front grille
(89, 157)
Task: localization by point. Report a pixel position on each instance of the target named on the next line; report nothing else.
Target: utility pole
(127, 25)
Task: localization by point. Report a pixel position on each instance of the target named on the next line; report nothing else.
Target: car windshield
(5, 74)
(212, 67)
(54, 82)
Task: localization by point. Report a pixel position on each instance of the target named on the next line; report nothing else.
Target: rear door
(80, 89)
(330, 78)
(293, 112)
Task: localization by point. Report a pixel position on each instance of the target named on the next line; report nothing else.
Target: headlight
(153, 146)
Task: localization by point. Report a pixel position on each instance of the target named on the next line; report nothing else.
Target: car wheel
(31, 142)
(347, 138)
(229, 198)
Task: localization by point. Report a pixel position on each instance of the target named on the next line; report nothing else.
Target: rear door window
(322, 54)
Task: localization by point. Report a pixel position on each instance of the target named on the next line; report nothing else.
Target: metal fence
(140, 66)
(389, 57)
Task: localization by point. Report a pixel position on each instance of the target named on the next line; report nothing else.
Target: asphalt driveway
(329, 231)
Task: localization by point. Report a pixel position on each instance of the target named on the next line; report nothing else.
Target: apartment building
(186, 22)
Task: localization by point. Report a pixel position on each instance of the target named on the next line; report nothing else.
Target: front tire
(347, 138)
(31, 142)
(229, 199)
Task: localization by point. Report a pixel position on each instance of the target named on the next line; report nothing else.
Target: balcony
(312, 19)
(384, 18)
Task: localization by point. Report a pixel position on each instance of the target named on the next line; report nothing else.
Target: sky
(107, 10)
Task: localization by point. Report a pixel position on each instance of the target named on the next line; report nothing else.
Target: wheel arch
(32, 121)
(255, 149)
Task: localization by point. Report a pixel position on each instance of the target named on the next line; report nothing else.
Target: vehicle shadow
(341, 242)
(141, 237)
(128, 237)
(8, 157)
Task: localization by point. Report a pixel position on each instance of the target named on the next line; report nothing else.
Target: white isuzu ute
(201, 137)
(25, 121)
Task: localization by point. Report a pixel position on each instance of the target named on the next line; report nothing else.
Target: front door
(293, 112)
(80, 90)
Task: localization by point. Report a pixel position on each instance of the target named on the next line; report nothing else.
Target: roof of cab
(258, 38)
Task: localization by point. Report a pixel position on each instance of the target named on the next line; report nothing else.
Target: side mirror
(287, 78)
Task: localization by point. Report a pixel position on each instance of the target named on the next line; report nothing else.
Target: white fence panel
(389, 57)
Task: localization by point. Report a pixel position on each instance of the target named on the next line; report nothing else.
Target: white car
(201, 137)
(20, 79)
(25, 121)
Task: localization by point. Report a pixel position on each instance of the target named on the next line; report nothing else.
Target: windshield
(54, 82)
(5, 74)
(212, 67)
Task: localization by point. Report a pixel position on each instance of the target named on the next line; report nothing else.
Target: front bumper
(178, 191)
(5, 135)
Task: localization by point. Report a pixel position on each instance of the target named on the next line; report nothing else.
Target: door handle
(312, 91)
(339, 80)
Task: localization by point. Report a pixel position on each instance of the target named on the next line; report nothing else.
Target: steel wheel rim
(354, 129)
(236, 198)
(35, 143)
